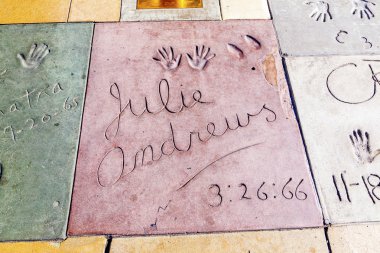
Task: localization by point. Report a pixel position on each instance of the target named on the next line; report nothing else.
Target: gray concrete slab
(342, 27)
(338, 103)
(43, 74)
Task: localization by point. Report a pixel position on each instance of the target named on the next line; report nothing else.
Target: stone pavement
(208, 127)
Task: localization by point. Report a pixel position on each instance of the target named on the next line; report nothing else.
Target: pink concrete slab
(227, 152)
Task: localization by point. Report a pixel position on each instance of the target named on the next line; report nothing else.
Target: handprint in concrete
(361, 7)
(361, 146)
(200, 57)
(167, 59)
(35, 57)
(321, 11)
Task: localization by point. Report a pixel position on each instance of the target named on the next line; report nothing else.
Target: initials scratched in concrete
(43, 72)
(327, 27)
(188, 128)
(337, 100)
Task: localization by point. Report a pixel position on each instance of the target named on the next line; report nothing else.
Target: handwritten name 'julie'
(164, 96)
(149, 153)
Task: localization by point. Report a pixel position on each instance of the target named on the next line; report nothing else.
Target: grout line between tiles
(108, 245)
(221, 10)
(294, 105)
(68, 14)
(326, 229)
(121, 10)
(80, 129)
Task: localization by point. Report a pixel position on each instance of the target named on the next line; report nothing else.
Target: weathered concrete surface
(313, 241)
(210, 11)
(101, 11)
(337, 30)
(31, 11)
(355, 238)
(70, 245)
(337, 101)
(245, 9)
(249, 174)
(43, 72)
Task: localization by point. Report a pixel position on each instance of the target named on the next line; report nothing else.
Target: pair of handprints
(197, 61)
(321, 9)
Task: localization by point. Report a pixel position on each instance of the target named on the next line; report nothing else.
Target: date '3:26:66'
(290, 190)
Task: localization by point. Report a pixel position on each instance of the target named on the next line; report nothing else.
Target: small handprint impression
(200, 58)
(362, 7)
(36, 55)
(362, 148)
(167, 59)
(321, 10)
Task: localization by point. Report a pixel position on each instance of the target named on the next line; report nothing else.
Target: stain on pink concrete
(188, 139)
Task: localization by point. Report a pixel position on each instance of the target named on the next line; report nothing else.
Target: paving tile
(70, 245)
(245, 9)
(210, 11)
(102, 11)
(218, 180)
(355, 238)
(41, 96)
(313, 241)
(34, 11)
(337, 101)
(328, 27)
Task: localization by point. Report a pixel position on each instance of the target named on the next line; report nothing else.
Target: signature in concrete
(35, 57)
(346, 69)
(30, 98)
(150, 154)
(165, 96)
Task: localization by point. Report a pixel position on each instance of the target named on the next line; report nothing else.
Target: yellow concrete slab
(99, 10)
(292, 241)
(71, 245)
(33, 11)
(355, 238)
